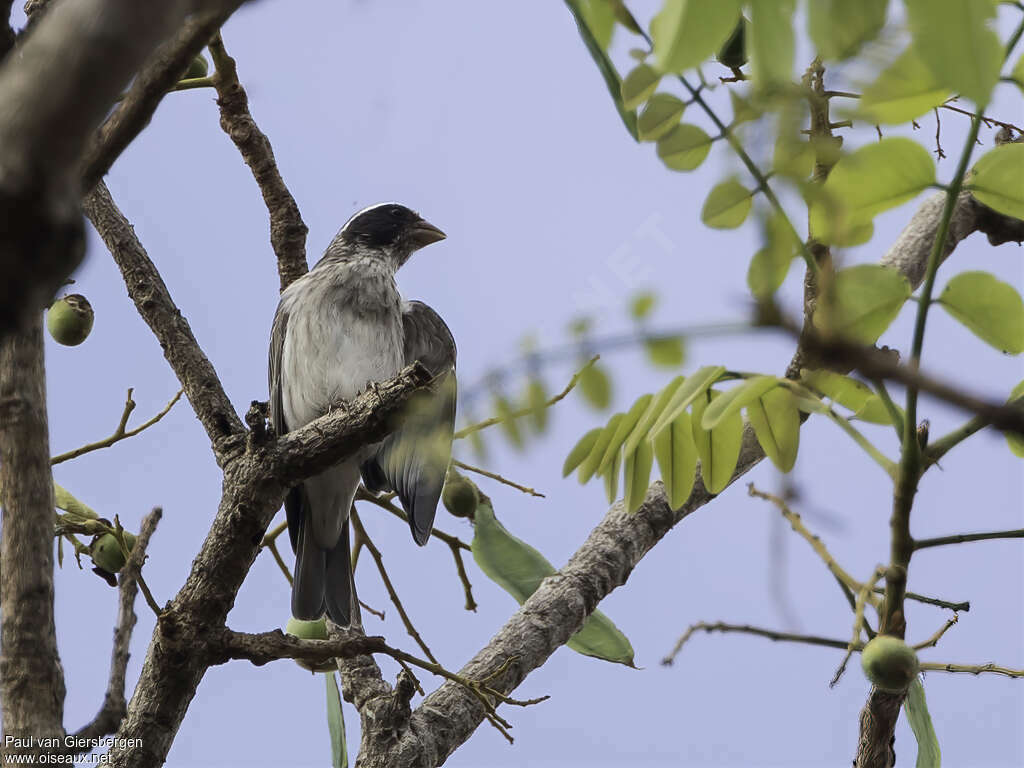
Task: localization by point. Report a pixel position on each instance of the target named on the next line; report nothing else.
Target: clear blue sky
(491, 120)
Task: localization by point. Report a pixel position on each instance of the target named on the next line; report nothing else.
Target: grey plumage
(337, 329)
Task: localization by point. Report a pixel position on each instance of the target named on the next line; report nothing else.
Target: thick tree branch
(287, 229)
(114, 706)
(254, 486)
(160, 74)
(147, 289)
(449, 715)
(31, 677)
(67, 72)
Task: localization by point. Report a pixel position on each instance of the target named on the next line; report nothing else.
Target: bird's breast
(339, 339)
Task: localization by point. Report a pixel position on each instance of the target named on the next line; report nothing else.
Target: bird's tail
(323, 579)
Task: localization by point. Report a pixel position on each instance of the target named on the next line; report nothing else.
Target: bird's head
(390, 228)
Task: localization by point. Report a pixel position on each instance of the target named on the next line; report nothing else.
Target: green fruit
(459, 495)
(889, 663)
(198, 68)
(307, 630)
(106, 551)
(69, 320)
(734, 51)
(310, 630)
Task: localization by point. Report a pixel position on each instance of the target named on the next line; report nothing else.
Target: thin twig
(385, 503)
(858, 622)
(272, 546)
(976, 669)
(460, 567)
(120, 433)
(371, 609)
(932, 641)
(466, 431)
(360, 532)
(771, 634)
(961, 538)
(495, 476)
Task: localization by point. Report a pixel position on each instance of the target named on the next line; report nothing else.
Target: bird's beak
(425, 233)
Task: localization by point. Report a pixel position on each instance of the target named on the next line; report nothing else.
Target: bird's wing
(293, 499)
(413, 460)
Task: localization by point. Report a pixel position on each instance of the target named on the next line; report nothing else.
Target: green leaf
(875, 178)
(793, 157)
(743, 110)
(904, 90)
(719, 448)
(727, 205)
(956, 42)
(684, 147)
(64, 499)
(581, 450)
(510, 426)
(595, 387)
(686, 32)
(600, 19)
(1018, 72)
(866, 299)
(622, 430)
(776, 422)
(694, 386)
(336, 724)
(662, 114)
(849, 393)
(604, 66)
(639, 85)
(657, 406)
(991, 309)
(638, 475)
(838, 28)
(996, 180)
(519, 569)
(641, 305)
(770, 265)
(677, 459)
(611, 477)
(666, 352)
(916, 708)
(593, 460)
(731, 401)
(536, 400)
(1015, 441)
(771, 41)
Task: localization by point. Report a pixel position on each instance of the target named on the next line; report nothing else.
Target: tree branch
(114, 707)
(147, 289)
(160, 75)
(287, 229)
(31, 678)
(80, 54)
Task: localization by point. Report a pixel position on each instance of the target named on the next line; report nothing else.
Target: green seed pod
(734, 51)
(106, 552)
(459, 495)
(69, 320)
(310, 630)
(198, 68)
(889, 663)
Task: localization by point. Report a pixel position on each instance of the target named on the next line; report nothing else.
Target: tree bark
(31, 676)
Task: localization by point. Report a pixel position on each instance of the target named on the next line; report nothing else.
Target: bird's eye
(396, 212)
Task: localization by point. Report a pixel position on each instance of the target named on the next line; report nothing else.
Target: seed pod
(889, 663)
(459, 495)
(310, 630)
(69, 320)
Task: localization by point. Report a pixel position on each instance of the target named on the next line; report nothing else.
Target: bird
(338, 329)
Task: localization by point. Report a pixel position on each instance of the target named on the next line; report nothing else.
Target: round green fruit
(459, 495)
(69, 320)
(310, 630)
(198, 68)
(307, 630)
(889, 663)
(106, 551)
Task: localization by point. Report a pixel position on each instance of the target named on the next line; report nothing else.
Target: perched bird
(338, 329)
